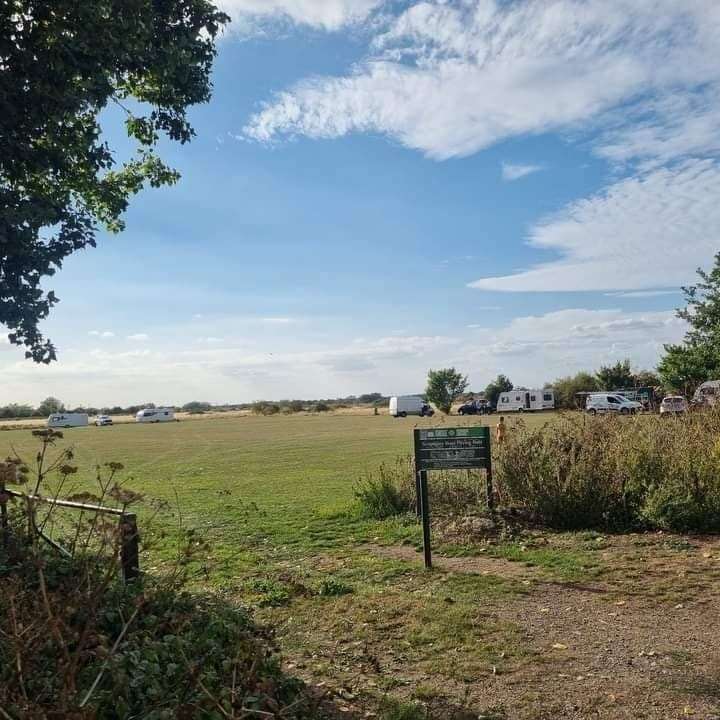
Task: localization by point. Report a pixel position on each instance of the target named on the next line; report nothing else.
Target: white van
(611, 403)
(405, 405)
(526, 400)
(67, 420)
(155, 415)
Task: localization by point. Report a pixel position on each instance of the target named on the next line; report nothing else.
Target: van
(404, 405)
(611, 403)
(155, 415)
(67, 420)
(526, 400)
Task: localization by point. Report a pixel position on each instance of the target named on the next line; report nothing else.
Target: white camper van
(526, 400)
(67, 420)
(405, 405)
(707, 394)
(155, 415)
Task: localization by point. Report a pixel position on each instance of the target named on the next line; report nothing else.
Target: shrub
(322, 407)
(265, 408)
(615, 473)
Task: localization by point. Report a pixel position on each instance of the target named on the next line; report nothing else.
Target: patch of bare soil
(640, 643)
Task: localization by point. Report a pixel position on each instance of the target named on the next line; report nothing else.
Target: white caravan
(405, 405)
(67, 420)
(526, 400)
(708, 393)
(155, 415)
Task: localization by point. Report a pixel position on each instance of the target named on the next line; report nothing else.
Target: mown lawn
(537, 626)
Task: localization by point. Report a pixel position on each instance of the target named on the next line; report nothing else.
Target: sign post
(449, 449)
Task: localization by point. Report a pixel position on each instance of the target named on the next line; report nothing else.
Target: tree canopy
(616, 377)
(61, 64)
(444, 387)
(501, 384)
(697, 359)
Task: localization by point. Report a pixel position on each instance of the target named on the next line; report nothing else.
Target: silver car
(673, 405)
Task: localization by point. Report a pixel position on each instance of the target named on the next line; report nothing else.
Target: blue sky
(378, 188)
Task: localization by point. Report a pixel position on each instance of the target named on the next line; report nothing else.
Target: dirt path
(596, 651)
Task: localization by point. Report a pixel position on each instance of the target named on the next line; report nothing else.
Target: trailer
(67, 420)
(707, 394)
(526, 400)
(155, 415)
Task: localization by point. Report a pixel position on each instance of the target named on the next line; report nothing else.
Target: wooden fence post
(129, 547)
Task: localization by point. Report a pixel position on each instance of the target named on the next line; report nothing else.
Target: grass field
(530, 625)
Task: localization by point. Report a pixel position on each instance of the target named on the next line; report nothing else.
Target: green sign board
(452, 448)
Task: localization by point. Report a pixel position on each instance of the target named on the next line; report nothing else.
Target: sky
(382, 187)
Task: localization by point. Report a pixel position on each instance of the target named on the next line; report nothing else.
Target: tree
(647, 378)
(49, 406)
(566, 388)
(196, 407)
(444, 387)
(697, 359)
(62, 63)
(501, 384)
(615, 377)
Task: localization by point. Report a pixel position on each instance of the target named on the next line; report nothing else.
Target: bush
(614, 473)
(265, 408)
(390, 490)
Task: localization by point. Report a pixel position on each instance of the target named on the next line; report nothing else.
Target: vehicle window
(166, 413)
(533, 398)
(517, 397)
(505, 399)
(611, 399)
(547, 397)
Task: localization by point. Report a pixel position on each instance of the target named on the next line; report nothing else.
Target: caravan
(526, 400)
(707, 394)
(155, 415)
(67, 420)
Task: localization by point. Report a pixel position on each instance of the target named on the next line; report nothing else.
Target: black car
(475, 407)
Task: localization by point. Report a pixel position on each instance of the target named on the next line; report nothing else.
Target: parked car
(612, 403)
(67, 420)
(404, 405)
(673, 405)
(475, 407)
(101, 420)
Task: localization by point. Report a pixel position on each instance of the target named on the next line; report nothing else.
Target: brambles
(617, 474)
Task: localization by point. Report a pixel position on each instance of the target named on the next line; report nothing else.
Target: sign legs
(425, 514)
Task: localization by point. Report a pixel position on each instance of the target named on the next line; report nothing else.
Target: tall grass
(578, 472)
(616, 473)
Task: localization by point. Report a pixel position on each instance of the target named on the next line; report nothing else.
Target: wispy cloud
(657, 227)
(138, 337)
(643, 293)
(102, 333)
(512, 172)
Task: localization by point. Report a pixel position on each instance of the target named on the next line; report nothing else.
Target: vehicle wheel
(403, 414)
(461, 412)
(624, 411)
(592, 411)
(521, 410)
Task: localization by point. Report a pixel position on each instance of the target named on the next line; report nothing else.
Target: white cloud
(640, 232)
(451, 78)
(643, 293)
(512, 172)
(138, 337)
(277, 320)
(102, 333)
(325, 14)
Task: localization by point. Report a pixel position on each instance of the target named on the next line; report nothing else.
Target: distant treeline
(262, 407)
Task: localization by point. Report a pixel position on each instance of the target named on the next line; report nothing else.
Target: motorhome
(707, 394)
(67, 420)
(405, 405)
(155, 415)
(526, 400)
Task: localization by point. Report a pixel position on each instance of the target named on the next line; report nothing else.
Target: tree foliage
(501, 384)
(566, 388)
(61, 64)
(616, 377)
(49, 406)
(444, 387)
(697, 359)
